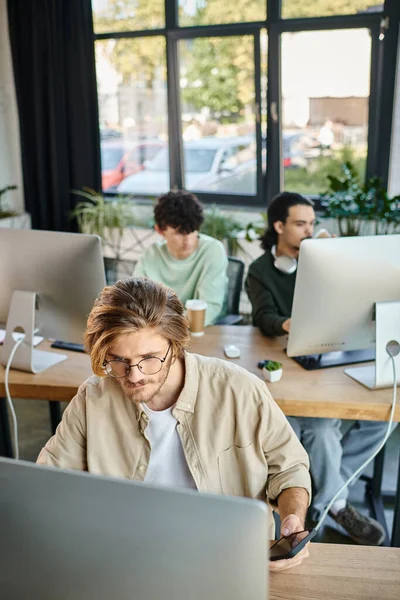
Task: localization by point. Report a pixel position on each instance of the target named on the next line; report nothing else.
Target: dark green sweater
(271, 294)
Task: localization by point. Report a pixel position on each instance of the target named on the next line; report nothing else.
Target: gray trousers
(333, 457)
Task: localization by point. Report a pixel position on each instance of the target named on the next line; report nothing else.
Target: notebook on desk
(78, 536)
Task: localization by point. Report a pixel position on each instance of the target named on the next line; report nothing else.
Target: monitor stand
(26, 357)
(387, 325)
(312, 362)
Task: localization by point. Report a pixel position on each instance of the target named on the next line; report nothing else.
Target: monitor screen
(338, 282)
(66, 271)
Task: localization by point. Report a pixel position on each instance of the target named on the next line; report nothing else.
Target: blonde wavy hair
(131, 305)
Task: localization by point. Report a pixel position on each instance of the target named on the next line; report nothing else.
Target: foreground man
(157, 413)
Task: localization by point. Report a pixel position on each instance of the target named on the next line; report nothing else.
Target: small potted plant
(272, 371)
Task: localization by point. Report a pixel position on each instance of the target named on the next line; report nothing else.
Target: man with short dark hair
(192, 264)
(291, 219)
(270, 286)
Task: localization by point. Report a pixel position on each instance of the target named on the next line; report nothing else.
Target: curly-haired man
(191, 263)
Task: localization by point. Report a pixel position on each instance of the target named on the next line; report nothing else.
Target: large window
(132, 96)
(218, 118)
(127, 15)
(325, 99)
(211, 12)
(292, 9)
(188, 89)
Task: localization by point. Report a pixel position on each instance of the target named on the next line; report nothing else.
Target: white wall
(394, 167)
(10, 152)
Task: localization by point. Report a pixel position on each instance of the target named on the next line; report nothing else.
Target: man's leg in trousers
(295, 423)
(322, 440)
(359, 443)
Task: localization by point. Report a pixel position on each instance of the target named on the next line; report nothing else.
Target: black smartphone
(289, 546)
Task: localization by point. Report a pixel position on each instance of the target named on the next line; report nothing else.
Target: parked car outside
(221, 165)
(120, 159)
(109, 134)
(299, 149)
(211, 164)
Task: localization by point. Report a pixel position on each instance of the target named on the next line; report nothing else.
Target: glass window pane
(218, 118)
(325, 94)
(264, 90)
(212, 12)
(293, 9)
(132, 93)
(127, 15)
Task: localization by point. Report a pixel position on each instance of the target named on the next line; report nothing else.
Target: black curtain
(54, 70)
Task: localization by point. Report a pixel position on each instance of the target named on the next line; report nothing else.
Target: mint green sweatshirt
(201, 276)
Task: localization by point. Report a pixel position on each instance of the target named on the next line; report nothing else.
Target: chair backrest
(235, 274)
(120, 269)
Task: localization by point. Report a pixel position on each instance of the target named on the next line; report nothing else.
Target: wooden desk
(323, 393)
(341, 572)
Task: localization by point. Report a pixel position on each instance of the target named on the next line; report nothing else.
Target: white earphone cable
(9, 400)
(387, 434)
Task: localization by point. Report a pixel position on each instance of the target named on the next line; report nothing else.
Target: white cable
(387, 434)
(9, 400)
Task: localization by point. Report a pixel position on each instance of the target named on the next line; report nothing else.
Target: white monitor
(83, 537)
(347, 298)
(49, 281)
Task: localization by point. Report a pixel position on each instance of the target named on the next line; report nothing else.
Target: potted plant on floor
(356, 205)
(108, 219)
(9, 217)
(221, 227)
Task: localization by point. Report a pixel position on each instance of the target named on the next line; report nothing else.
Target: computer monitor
(49, 281)
(341, 284)
(79, 536)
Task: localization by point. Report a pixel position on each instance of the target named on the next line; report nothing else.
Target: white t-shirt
(167, 464)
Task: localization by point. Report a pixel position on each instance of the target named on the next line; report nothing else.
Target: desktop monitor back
(66, 270)
(74, 536)
(338, 282)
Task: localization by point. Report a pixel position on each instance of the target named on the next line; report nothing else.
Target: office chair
(120, 269)
(235, 274)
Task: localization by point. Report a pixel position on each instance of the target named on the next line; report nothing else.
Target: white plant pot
(22, 221)
(272, 376)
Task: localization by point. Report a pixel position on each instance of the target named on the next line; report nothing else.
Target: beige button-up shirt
(235, 438)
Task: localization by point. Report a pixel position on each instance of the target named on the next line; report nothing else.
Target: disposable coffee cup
(196, 314)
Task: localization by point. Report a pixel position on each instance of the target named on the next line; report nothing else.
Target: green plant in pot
(385, 211)
(272, 370)
(5, 211)
(221, 227)
(354, 204)
(107, 219)
(255, 229)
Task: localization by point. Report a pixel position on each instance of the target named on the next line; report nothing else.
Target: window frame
(382, 83)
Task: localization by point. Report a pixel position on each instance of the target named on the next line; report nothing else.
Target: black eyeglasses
(147, 366)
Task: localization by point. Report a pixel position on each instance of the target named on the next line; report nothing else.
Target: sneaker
(361, 529)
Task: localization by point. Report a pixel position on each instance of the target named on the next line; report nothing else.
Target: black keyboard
(67, 346)
(313, 362)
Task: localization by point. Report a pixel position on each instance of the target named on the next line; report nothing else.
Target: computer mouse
(231, 351)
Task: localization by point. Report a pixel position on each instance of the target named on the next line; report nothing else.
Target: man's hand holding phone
(292, 548)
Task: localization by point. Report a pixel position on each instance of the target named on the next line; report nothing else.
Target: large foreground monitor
(76, 536)
(342, 284)
(49, 281)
